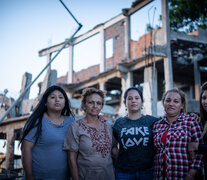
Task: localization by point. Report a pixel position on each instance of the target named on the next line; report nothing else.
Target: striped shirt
(180, 132)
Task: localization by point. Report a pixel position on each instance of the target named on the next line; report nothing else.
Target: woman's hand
(188, 177)
(191, 174)
(114, 152)
(192, 148)
(26, 149)
(101, 118)
(72, 160)
(195, 116)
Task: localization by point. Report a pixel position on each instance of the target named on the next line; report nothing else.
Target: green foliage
(149, 27)
(187, 14)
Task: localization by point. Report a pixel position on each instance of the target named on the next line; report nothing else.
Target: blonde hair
(182, 95)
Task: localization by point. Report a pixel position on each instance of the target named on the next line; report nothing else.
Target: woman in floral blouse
(89, 141)
(172, 134)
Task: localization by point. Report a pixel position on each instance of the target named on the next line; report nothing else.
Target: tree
(187, 14)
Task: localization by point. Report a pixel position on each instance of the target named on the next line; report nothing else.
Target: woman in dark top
(201, 148)
(133, 134)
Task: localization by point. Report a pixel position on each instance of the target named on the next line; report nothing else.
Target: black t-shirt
(135, 138)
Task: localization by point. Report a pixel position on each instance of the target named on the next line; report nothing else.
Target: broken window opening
(109, 48)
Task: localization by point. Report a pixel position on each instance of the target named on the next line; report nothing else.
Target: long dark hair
(35, 120)
(203, 112)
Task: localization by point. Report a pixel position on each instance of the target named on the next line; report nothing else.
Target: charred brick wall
(137, 48)
(86, 74)
(116, 32)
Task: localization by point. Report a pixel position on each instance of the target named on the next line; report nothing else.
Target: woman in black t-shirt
(133, 134)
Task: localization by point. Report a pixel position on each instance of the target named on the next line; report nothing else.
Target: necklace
(58, 121)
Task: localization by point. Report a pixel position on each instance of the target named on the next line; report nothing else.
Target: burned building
(157, 61)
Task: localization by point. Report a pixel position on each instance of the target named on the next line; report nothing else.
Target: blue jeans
(139, 175)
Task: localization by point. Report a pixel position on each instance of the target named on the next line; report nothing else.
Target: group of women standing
(152, 148)
(51, 136)
(143, 147)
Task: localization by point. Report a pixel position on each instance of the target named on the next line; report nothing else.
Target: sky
(28, 26)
